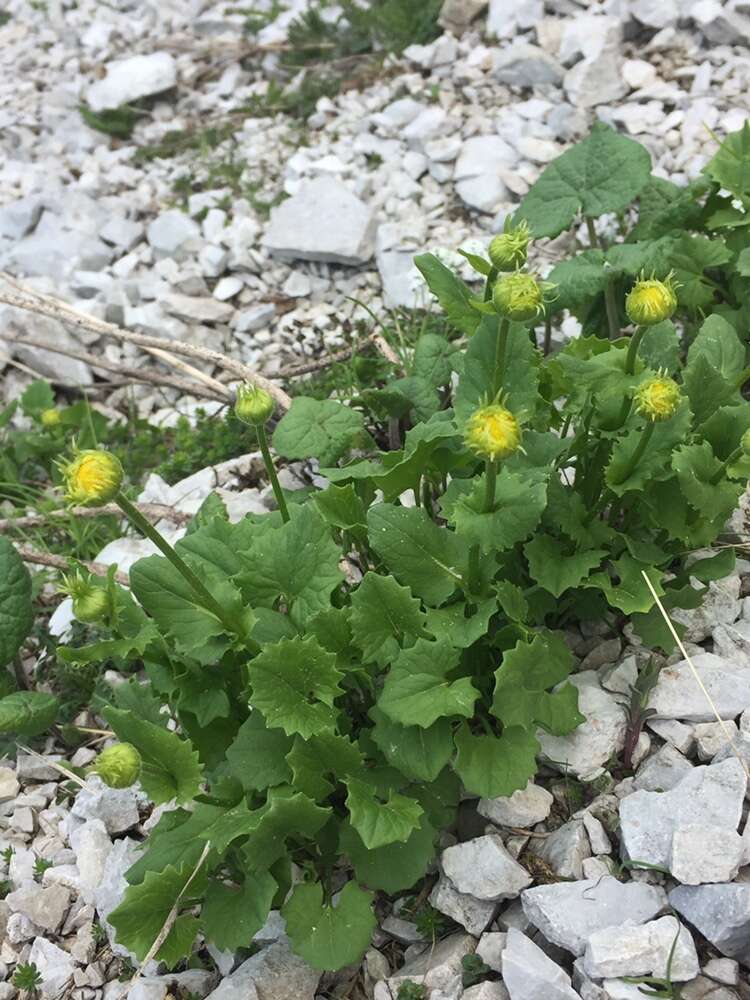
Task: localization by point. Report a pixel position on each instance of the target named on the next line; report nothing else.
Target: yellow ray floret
(93, 477)
(651, 301)
(493, 432)
(658, 398)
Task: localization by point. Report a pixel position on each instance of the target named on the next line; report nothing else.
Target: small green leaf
(625, 588)
(452, 624)
(37, 397)
(294, 684)
(555, 569)
(730, 166)
(16, 613)
(379, 820)
(691, 256)
(602, 173)
(654, 463)
(394, 867)
(384, 615)
(143, 912)
(27, 713)
(256, 756)
(418, 691)
(492, 766)
(452, 294)
(318, 428)
(341, 507)
(433, 359)
(233, 914)
(329, 936)
(419, 754)
(317, 763)
(578, 280)
(170, 767)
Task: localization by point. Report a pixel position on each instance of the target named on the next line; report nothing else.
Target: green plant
(412, 991)
(474, 970)
(118, 122)
(6, 886)
(40, 867)
(27, 977)
(324, 679)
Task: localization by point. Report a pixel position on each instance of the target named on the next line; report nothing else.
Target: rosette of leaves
(398, 641)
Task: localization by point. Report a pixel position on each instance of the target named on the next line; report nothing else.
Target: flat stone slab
(721, 913)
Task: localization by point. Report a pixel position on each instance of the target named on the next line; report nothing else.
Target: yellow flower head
(650, 301)
(509, 250)
(657, 398)
(50, 418)
(93, 477)
(254, 405)
(519, 296)
(118, 766)
(91, 603)
(493, 432)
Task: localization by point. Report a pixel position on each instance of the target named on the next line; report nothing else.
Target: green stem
(489, 486)
(489, 284)
(500, 347)
(637, 455)
(204, 595)
(591, 229)
(271, 470)
(635, 342)
(473, 581)
(610, 302)
(722, 470)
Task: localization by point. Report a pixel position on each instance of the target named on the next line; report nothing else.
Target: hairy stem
(637, 455)
(271, 470)
(501, 345)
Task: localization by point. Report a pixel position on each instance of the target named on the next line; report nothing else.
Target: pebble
(523, 808)
(129, 80)
(642, 950)
(678, 695)
(530, 975)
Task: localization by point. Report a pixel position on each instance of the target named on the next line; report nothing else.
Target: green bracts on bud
(118, 766)
(93, 477)
(254, 405)
(92, 603)
(650, 301)
(508, 251)
(657, 398)
(519, 297)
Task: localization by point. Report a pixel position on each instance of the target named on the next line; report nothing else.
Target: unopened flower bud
(118, 766)
(91, 603)
(508, 251)
(658, 398)
(519, 297)
(650, 301)
(93, 477)
(254, 405)
(493, 432)
(50, 418)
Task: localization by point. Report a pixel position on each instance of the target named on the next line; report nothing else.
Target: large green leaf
(380, 820)
(730, 166)
(419, 754)
(384, 615)
(603, 173)
(520, 374)
(492, 766)
(718, 342)
(27, 713)
(294, 684)
(318, 428)
(143, 912)
(297, 561)
(233, 914)
(16, 613)
(654, 463)
(696, 467)
(424, 557)
(624, 586)
(690, 257)
(170, 768)
(461, 625)
(256, 756)
(394, 867)
(578, 279)
(554, 568)
(452, 294)
(318, 762)
(418, 690)
(520, 499)
(433, 359)
(286, 814)
(329, 935)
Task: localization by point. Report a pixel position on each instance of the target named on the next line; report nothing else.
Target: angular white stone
(720, 605)
(529, 974)
(709, 796)
(478, 171)
(642, 950)
(130, 79)
(471, 913)
(711, 737)
(281, 974)
(483, 868)
(662, 770)
(490, 949)
(117, 808)
(8, 784)
(324, 221)
(173, 234)
(567, 913)
(46, 907)
(524, 65)
(199, 309)
(55, 966)
(678, 695)
(523, 808)
(721, 913)
(702, 853)
(566, 849)
(92, 845)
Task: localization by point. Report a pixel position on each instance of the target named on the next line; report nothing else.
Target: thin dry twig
(53, 764)
(34, 556)
(153, 511)
(22, 297)
(697, 676)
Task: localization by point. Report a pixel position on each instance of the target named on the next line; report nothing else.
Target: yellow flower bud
(519, 297)
(254, 405)
(493, 432)
(50, 418)
(650, 301)
(91, 603)
(658, 398)
(118, 766)
(93, 477)
(508, 250)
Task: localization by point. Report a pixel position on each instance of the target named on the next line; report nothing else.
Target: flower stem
(473, 576)
(610, 302)
(489, 486)
(635, 343)
(637, 455)
(722, 470)
(501, 345)
(204, 595)
(271, 470)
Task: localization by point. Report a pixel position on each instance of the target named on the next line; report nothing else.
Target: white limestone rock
(721, 913)
(173, 234)
(702, 853)
(45, 907)
(721, 605)
(523, 808)
(281, 974)
(478, 171)
(471, 913)
(566, 849)
(483, 868)
(130, 79)
(529, 974)
(662, 770)
(567, 913)
(323, 221)
(8, 784)
(55, 966)
(642, 950)
(712, 737)
(117, 808)
(525, 65)
(678, 695)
